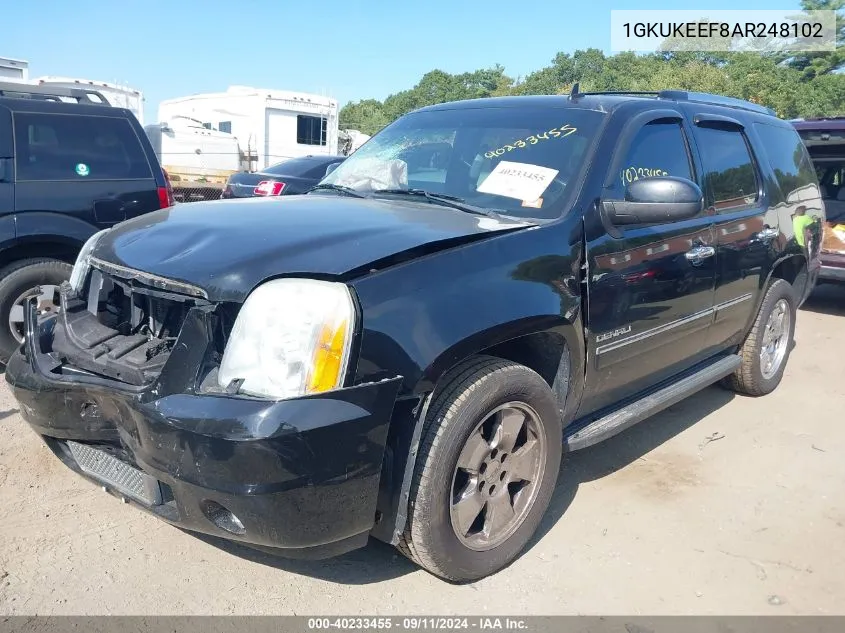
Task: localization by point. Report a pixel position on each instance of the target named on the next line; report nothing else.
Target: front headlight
(291, 338)
(83, 261)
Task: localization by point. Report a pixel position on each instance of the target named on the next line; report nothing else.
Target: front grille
(120, 476)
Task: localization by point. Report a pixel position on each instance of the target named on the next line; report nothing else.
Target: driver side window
(658, 149)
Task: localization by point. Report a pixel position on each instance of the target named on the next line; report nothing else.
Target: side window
(52, 147)
(658, 149)
(788, 159)
(729, 175)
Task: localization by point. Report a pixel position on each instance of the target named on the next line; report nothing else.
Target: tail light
(268, 188)
(165, 194)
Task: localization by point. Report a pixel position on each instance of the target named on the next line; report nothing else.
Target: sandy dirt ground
(720, 505)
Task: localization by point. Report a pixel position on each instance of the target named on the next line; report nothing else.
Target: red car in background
(825, 141)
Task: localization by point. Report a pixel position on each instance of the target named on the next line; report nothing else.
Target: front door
(650, 287)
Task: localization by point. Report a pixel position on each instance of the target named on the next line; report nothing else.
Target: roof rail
(576, 92)
(51, 93)
(706, 97)
(681, 95)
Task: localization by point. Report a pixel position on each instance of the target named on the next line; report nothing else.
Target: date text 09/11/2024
(417, 623)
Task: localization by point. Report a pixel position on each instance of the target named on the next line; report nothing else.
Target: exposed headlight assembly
(83, 261)
(291, 338)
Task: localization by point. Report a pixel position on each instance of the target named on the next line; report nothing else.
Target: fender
(423, 317)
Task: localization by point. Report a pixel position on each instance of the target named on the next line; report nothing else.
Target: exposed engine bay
(125, 329)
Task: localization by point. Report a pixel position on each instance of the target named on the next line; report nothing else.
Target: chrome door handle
(699, 254)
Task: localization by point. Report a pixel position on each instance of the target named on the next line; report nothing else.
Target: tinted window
(658, 149)
(225, 126)
(788, 158)
(729, 174)
(302, 167)
(319, 169)
(311, 130)
(73, 147)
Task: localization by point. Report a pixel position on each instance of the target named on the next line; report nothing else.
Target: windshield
(517, 161)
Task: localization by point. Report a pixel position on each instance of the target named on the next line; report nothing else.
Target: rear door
(85, 166)
(737, 200)
(650, 296)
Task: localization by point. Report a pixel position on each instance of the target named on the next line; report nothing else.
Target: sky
(349, 50)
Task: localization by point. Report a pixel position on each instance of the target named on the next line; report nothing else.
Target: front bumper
(301, 475)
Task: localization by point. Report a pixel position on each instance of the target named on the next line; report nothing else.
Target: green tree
(805, 85)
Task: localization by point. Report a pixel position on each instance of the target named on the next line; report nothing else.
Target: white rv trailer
(190, 152)
(117, 95)
(14, 69)
(270, 125)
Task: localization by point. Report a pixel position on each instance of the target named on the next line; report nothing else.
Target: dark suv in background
(70, 165)
(825, 140)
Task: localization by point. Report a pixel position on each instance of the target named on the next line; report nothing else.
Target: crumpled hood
(228, 247)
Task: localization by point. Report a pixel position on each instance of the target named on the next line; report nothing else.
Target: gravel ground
(720, 505)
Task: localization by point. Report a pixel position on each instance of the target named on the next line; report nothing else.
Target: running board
(621, 419)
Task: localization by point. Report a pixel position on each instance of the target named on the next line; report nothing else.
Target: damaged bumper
(300, 476)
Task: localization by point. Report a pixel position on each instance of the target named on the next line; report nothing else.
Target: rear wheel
(766, 349)
(486, 470)
(16, 281)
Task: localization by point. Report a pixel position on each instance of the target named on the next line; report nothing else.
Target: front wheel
(487, 467)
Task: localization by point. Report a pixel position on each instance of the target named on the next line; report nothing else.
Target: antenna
(576, 90)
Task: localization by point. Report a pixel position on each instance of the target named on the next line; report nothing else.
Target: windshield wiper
(442, 199)
(349, 191)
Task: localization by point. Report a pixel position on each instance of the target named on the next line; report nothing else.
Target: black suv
(407, 351)
(69, 165)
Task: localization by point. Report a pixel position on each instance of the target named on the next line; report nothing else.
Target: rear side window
(77, 147)
(658, 149)
(788, 159)
(729, 174)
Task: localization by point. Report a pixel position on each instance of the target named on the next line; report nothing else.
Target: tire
(15, 280)
(751, 378)
(469, 393)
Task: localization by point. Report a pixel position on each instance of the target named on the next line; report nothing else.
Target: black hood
(227, 247)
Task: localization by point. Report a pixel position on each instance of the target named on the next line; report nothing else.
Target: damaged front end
(126, 329)
(122, 386)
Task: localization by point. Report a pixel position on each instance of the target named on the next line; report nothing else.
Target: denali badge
(613, 334)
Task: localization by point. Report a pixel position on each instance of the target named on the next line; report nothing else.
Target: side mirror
(656, 200)
(331, 168)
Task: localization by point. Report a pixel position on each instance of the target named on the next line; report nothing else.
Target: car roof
(16, 104)
(606, 101)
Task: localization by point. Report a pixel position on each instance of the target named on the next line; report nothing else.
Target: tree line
(796, 86)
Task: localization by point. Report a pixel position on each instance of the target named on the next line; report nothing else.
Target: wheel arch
(551, 347)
